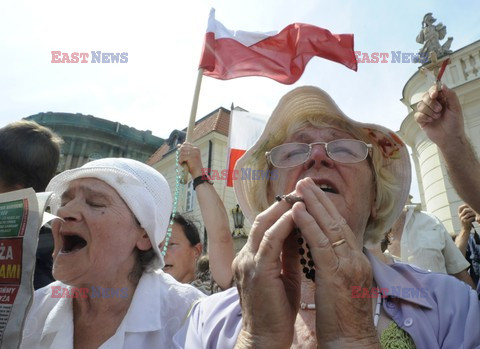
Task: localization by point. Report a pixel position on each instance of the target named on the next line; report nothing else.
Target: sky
(163, 39)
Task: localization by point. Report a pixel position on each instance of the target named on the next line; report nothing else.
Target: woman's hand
(268, 279)
(341, 320)
(190, 155)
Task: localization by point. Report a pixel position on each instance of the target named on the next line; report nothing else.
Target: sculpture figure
(430, 37)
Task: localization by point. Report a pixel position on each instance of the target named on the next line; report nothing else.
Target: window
(190, 201)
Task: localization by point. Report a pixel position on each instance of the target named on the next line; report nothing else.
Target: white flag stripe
(244, 37)
(245, 129)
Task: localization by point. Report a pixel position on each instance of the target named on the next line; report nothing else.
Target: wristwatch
(201, 179)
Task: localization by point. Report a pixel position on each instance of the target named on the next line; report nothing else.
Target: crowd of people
(331, 252)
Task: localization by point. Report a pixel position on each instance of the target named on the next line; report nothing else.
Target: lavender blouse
(437, 310)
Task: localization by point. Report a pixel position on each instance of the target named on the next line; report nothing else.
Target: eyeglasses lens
(342, 150)
(347, 151)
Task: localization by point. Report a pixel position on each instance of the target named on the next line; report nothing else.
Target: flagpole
(193, 115)
(193, 112)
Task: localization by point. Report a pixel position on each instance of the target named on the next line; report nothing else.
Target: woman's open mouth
(328, 189)
(72, 243)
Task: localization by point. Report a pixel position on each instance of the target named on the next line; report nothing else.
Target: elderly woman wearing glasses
(304, 278)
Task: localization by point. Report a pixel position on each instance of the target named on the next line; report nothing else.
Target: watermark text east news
(82, 57)
(243, 174)
(396, 291)
(394, 56)
(85, 292)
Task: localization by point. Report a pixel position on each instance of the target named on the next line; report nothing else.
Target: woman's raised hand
(267, 275)
(340, 264)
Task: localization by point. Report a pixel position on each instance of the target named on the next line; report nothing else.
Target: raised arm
(215, 219)
(467, 216)
(440, 116)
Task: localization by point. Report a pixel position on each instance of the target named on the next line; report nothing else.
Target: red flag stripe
(235, 154)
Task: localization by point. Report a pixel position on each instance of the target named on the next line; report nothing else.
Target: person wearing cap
(304, 278)
(110, 292)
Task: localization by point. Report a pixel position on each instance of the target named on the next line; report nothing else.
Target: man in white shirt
(419, 238)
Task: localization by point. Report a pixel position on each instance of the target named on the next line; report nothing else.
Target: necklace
(390, 236)
(307, 263)
(178, 174)
(376, 316)
(309, 271)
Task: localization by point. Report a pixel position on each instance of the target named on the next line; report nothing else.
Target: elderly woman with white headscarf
(304, 278)
(110, 291)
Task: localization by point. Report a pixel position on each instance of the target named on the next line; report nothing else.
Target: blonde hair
(385, 182)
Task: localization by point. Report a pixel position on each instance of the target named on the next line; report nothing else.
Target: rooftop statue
(430, 37)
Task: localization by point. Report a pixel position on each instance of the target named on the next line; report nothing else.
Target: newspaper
(21, 215)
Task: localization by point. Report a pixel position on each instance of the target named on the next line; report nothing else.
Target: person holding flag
(184, 247)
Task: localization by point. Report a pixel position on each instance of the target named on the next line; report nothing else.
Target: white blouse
(158, 309)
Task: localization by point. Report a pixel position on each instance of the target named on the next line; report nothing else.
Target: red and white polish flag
(245, 129)
(281, 56)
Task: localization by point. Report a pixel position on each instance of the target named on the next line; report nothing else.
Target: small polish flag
(245, 129)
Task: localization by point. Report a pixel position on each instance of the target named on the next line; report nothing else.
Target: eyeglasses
(346, 151)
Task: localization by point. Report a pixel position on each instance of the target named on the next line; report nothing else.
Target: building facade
(211, 137)
(436, 191)
(88, 138)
